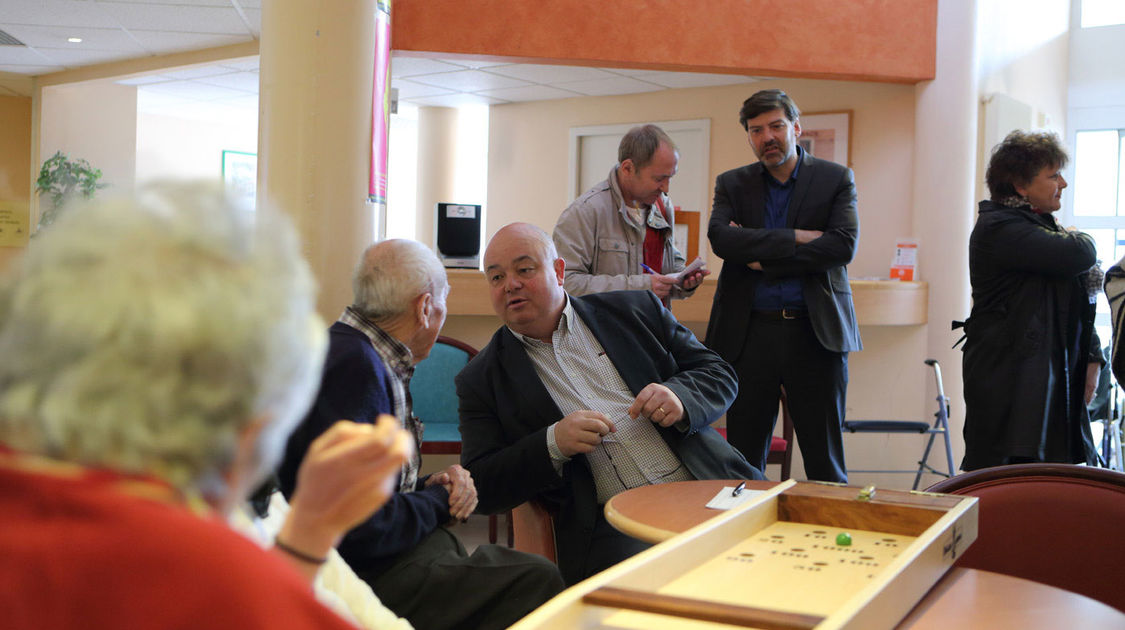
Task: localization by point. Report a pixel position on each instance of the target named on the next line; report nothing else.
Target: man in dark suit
(786, 227)
(577, 399)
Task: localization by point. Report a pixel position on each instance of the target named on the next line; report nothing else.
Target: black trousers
(786, 352)
(437, 585)
(609, 546)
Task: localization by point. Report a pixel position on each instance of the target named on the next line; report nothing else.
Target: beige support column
(437, 152)
(314, 131)
(945, 150)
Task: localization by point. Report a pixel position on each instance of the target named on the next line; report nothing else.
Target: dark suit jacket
(823, 198)
(356, 386)
(505, 411)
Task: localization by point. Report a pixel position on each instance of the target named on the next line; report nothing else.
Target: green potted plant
(61, 179)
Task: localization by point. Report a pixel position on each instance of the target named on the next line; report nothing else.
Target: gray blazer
(505, 411)
(604, 249)
(823, 198)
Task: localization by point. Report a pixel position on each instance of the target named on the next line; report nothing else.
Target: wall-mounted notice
(905, 262)
(14, 223)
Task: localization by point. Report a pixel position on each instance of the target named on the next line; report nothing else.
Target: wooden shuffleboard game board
(802, 555)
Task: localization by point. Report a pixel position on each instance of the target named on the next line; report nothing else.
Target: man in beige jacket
(618, 235)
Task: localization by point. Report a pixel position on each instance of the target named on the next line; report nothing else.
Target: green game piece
(844, 539)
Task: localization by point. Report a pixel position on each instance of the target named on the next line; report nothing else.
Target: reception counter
(877, 302)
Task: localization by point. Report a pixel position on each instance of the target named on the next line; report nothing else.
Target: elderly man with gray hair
(416, 567)
(156, 353)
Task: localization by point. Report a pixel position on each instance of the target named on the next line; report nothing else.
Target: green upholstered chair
(435, 397)
(435, 403)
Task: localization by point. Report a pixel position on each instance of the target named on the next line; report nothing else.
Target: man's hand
(694, 279)
(657, 403)
(462, 491)
(807, 236)
(1093, 372)
(348, 472)
(756, 266)
(662, 285)
(581, 431)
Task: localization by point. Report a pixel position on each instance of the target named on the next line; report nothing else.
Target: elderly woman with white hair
(156, 354)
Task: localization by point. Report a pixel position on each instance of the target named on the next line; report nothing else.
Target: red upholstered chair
(781, 448)
(533, 530)
(1057, 524)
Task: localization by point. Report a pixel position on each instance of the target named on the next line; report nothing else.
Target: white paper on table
(725, 500)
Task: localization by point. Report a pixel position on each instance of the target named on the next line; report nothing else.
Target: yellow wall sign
(14, 223)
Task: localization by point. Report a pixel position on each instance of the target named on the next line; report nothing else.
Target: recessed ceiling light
(74, 40)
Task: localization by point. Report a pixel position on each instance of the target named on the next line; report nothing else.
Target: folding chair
(939, 427)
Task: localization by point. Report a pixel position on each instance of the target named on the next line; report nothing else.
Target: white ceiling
(114, 30)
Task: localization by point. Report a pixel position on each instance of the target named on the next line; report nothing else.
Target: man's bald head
(525, 276)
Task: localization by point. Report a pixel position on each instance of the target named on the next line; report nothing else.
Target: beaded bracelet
(300, 555)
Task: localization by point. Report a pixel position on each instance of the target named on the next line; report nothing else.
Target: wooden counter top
(877, 302)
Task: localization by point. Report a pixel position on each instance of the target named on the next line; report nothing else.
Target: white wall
(1023, 51)
(1097, 68)
(171, 147)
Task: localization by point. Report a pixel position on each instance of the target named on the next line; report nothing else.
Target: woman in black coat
(1031, 354)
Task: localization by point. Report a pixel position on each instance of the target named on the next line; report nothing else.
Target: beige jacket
(604, 248)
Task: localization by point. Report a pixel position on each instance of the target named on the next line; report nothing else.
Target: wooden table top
(963, 598)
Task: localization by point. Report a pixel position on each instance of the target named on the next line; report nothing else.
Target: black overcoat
(1029, 339)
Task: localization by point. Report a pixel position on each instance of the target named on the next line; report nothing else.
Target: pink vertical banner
(380, 104)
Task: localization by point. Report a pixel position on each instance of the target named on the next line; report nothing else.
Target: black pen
(738, 489)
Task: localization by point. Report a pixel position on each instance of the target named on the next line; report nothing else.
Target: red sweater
(81, 549)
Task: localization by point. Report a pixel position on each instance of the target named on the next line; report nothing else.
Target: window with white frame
(1102, 13)
(1099, 200)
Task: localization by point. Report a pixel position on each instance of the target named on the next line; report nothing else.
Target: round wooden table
(963, 598)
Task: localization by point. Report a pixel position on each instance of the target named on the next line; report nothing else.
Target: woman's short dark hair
(766, 101)
(1019, 158)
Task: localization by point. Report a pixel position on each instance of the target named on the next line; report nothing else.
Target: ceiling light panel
(163, 42)
(540, 73)
(412, 66)
(92, 38)
(150, 17)
(469, 81)
(530, 93)
(610, 87)
(56, 13)
(78, 56)
(242, 81)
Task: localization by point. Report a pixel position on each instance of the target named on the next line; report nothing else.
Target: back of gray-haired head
(144, 334)
(764, 101)
(640, 143)
(391, 273)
